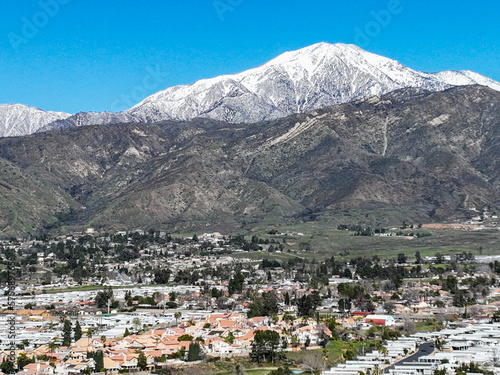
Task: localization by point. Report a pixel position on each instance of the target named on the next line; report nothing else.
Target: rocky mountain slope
(428, 156)
(295, 82)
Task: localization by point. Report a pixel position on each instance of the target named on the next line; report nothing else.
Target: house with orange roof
(35, 315)
(156, 332)
(173, 331)
(213, 318)
(346, 322)
(41, 350)
(38, 368)
(59, 357)
(312, 333)
(245, 341)
(218, 347)
(401, 309)
(76, 366)
(184, 344)
(227, 324)
(139, 342)
(110, 365)
(86, 344)
(128, 359)
(248, 336)
(153, 353)
(168, 347)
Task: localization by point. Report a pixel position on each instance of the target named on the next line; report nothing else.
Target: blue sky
(95, 55)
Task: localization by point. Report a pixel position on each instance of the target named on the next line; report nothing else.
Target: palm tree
(52, 346)
(325, 358)
(439, 344)
(90, 332)
(381, 348)
(177, 316)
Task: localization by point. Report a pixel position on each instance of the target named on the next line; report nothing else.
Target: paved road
(424, 349)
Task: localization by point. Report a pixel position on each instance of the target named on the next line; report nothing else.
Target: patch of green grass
(325, 240)
(425, 326)
(255, 371)
(335, 353)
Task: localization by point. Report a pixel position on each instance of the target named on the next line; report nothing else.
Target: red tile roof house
(38, 368)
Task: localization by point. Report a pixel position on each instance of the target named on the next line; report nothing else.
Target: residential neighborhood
(136, 301)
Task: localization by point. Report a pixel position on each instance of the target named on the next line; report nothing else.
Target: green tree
(194, 352)
(349, 354)
(98, 357)
(162, 275)
(185, 337)
(142, 361)
(66, 333)
(77, 331)
(52, 346)
(438, 344)
(177, 316)
(307, 304)
(236, 283)
(451, 284)
(103, 296)
(472, 367)
(180, 354)
(229, 338)
(23, 360)
(287, 298)
(127, 333)
(266, 305)
(7, 367)
(91, 331)
(265, 345)
(281, 371)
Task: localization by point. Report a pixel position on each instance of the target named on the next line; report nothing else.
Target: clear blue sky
(88, 54)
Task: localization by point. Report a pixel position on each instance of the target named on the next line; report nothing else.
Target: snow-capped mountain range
(19, 119)
(298, 81)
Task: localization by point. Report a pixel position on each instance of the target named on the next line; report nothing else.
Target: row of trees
(67, 330)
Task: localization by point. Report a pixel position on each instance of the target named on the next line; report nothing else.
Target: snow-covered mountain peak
(297, 81)
(19, 119)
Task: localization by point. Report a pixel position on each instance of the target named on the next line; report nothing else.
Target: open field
(255, 371)
(325, 241)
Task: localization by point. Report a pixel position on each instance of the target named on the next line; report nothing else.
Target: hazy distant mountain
(18, 119)
(294, 82)
(409, 154)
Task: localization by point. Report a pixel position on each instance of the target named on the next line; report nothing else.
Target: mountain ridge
(294, 82)
(410, 154)
(19, 119)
